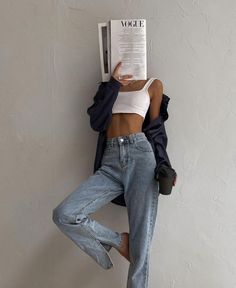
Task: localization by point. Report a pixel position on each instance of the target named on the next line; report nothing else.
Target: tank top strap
(148, 83)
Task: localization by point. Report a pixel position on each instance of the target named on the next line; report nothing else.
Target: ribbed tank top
(133, 101)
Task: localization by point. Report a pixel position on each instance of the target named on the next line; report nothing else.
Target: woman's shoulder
(155, 84)
(156, 81)
(156, 87)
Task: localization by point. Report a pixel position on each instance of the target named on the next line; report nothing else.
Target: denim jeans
(127, 167)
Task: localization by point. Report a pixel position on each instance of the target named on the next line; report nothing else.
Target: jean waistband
(131, 138)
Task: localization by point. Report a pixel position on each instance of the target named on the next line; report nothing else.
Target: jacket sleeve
(160, 145)
(100, 111)
(164, 172)
(160, 141)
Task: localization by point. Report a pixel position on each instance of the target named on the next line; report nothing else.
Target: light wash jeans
(127, 167)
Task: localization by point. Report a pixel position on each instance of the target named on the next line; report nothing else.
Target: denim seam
(120, 241)
(82, 210)
(101, 246)
(149, 242)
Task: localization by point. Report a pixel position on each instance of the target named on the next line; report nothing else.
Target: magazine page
(104, 44)
(128, 44)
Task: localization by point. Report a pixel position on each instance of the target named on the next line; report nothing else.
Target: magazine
(123, 40)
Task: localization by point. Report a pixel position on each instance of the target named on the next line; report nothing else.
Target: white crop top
(133, 101)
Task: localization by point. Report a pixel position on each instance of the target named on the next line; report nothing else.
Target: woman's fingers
(117, 68)
(127, 76)
(123, 79)
(126, 82)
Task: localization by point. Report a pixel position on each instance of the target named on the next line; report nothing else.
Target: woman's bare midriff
(123, 124)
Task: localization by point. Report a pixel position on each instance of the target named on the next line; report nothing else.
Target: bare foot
(124, 248)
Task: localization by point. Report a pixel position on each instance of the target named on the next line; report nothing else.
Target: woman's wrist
(114, 82)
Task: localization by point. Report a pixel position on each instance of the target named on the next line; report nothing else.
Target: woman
(127, 167)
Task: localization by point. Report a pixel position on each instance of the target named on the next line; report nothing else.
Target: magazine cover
(123, 40)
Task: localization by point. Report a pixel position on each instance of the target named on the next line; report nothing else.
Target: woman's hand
(123, 79)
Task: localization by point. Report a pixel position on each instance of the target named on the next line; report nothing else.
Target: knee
(61, 215)
(56, 215)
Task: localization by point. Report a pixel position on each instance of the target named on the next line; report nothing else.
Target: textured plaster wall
(49, 67)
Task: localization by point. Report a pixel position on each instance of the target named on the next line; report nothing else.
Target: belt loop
(132, 138)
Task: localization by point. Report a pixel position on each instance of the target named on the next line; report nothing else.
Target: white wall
(49, 67)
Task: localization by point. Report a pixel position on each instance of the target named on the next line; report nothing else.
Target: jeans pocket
(143, 145)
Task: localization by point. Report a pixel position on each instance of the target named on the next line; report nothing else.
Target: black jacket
(100, 113)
